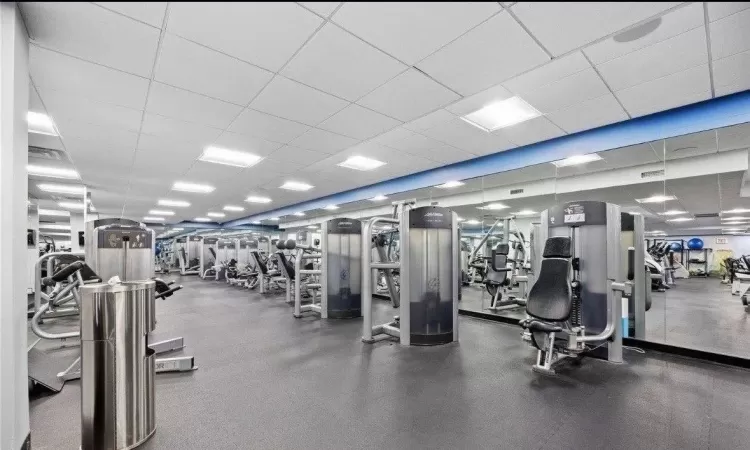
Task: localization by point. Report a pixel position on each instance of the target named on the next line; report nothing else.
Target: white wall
(740, 245)
(14, 101)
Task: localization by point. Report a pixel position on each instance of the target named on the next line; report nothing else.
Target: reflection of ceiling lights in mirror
(40, 124)
(379, 198)
(502, 114)
(299, 214)
(53, 226)
(62, 188)
(52, 172)
(70, 205)
(736, 211)
(524, 212)
(735, 218)
(672, 212)
(296, 186)
(161, 212)
(175, 203)
(733, 229)
(656, 232)
(53, 212)
(656, 199)
(576, 160)
(216, 214)
(153, 219)
(331, 207)
(736, 222)
(494, 206)
(228, 157)
(233, 208)
(361, 163)
(257, 199)
(450, 184)
(680, 219)
(192, 187)
(472, 222)
(312, 227)
(202, 219)
(460, 219)
(274, 218)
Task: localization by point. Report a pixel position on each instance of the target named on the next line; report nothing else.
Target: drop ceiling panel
(158, 146)
(565, 26)
(323, 141)
(244, 143)
(195, 68)
(159, 164)
(262, 33)
(633, 155)
(473, 103)
(408, 96)
(719, 10)
(323, 8)
(203, 172)
(564, 92)
(590, 114)
(297, 155)
(177, 103)
(358, 122)
(672, 55)
(150, 12)
(672, 24)
(178, 130)
(80, 109)
(92, 33)
(339, 63)
(732, 74)
(54, 71)
(272, 128)
(291, 100)
(431, 120)
(681, 88)
(287, 167)
(531, 131)
(406, 31)
(475, 62)
(734, 137)
(549, 73)
(730, 35)
(100, 139)
(469, 138)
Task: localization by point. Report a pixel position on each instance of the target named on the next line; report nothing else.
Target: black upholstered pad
(538, 325)
(213, 252)
(502, 249)
(287, 265)
(557, 247)
(261, 264)
(551, 297)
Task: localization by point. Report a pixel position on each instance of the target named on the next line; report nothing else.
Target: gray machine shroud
(344, 271)
(120, 247)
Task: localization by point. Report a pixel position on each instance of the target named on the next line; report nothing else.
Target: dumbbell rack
(701, 263)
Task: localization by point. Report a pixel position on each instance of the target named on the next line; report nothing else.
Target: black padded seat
(538, 325)
(498, 273)
(551, 297)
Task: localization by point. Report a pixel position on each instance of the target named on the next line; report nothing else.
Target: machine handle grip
(65, 272)
(631, 263)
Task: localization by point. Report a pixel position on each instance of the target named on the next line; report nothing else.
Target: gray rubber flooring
(269, 381)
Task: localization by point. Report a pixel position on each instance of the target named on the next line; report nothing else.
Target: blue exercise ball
(675, 246)
(695, 244)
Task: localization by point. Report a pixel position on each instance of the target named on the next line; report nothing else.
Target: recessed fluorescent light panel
(177, 229)
(256, 222)
(577, 160)
(161, 212)
(502, 114)
(656, 199)
(274, 218)
(70, 205)
(312, 227)
(494, 206)
(331, 207)
(672, 212)
(153, 219)
(736, 211)
(233, 208)
(257, 199)
(61, 188)
(175, 203)
(296, 186)
(54, 226)
(53, 212)
(379, 198)
(192, 187)
(228, 157)
(202, 219)
(472, 222)
(524, 212)
(216, 214)
(361, 163)
(41, 124)
(681, 219)
(52, 172)
(450, 184)
(460, 219)
(736, 218)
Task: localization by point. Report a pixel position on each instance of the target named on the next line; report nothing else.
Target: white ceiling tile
(92, 33)
(732, 74)
(286, 168)
(408, 96)
(173, 102)
(469, 138)
(681, 88)
(730, 35)
(69, 107)
(157, 164)
(203, 172)
(669, 56)
(297, 155)
(358, 122)
(590, 114)
(178, 130)
(158, 146)
(411, 31)
(52, 70)
(190, 66)
(475, 62)
(98, 138)
(250, 144)
(581, 86)
(389, 137)
(531, 131)
(150, 12)
(101, 153)
(425, 147)
(256, 123)
(672, 24)
(323, 141)
(548, 73)
(431, 120)
(294, 101)
(479, 100)
(719, 10)
(564, 26)
(336, 62)
(263, 33)
(323, 8)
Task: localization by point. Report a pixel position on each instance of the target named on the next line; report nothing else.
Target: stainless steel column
(117, 367)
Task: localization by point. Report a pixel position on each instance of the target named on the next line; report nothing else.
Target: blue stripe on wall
(715, 113)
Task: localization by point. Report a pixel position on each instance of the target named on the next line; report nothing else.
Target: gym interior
(375, 225)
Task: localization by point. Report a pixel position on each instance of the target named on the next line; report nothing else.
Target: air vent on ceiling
(47, 153)
(652, 173)
(706, 215)
(516, 191)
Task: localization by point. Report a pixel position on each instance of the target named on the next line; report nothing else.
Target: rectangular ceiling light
(233, 208)
(192, 187)
(656, 199)
(70, 205)
(202, 219)
(299, 214)
(577, 160)
(361, 163)
(296, 186)
(460, 219)
(53, 212)
(175, 203)
(216, 214)
(153, 219)
(379, 198)
(736, 218)
(472, 222)
(524, 212)
(41, 124)
(54, 226)
(228, 157)
(177, 229)
(450, 184)
(672, 212)
(312, 227)
(331, 207)
(494, 206)
(52, 172)
(274, 218)
(736, 211)
(161, 212)
(502, 114)
(736, 222)
(256, 222)
(62, 188)
(681, 219)
(257, 199)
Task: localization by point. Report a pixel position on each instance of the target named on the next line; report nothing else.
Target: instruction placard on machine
(574, 214)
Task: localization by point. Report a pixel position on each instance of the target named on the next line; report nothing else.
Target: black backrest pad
(502, 249)
(551, 297)
(287, 265)
(261, 264)
(557, 247)
(65, 272)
